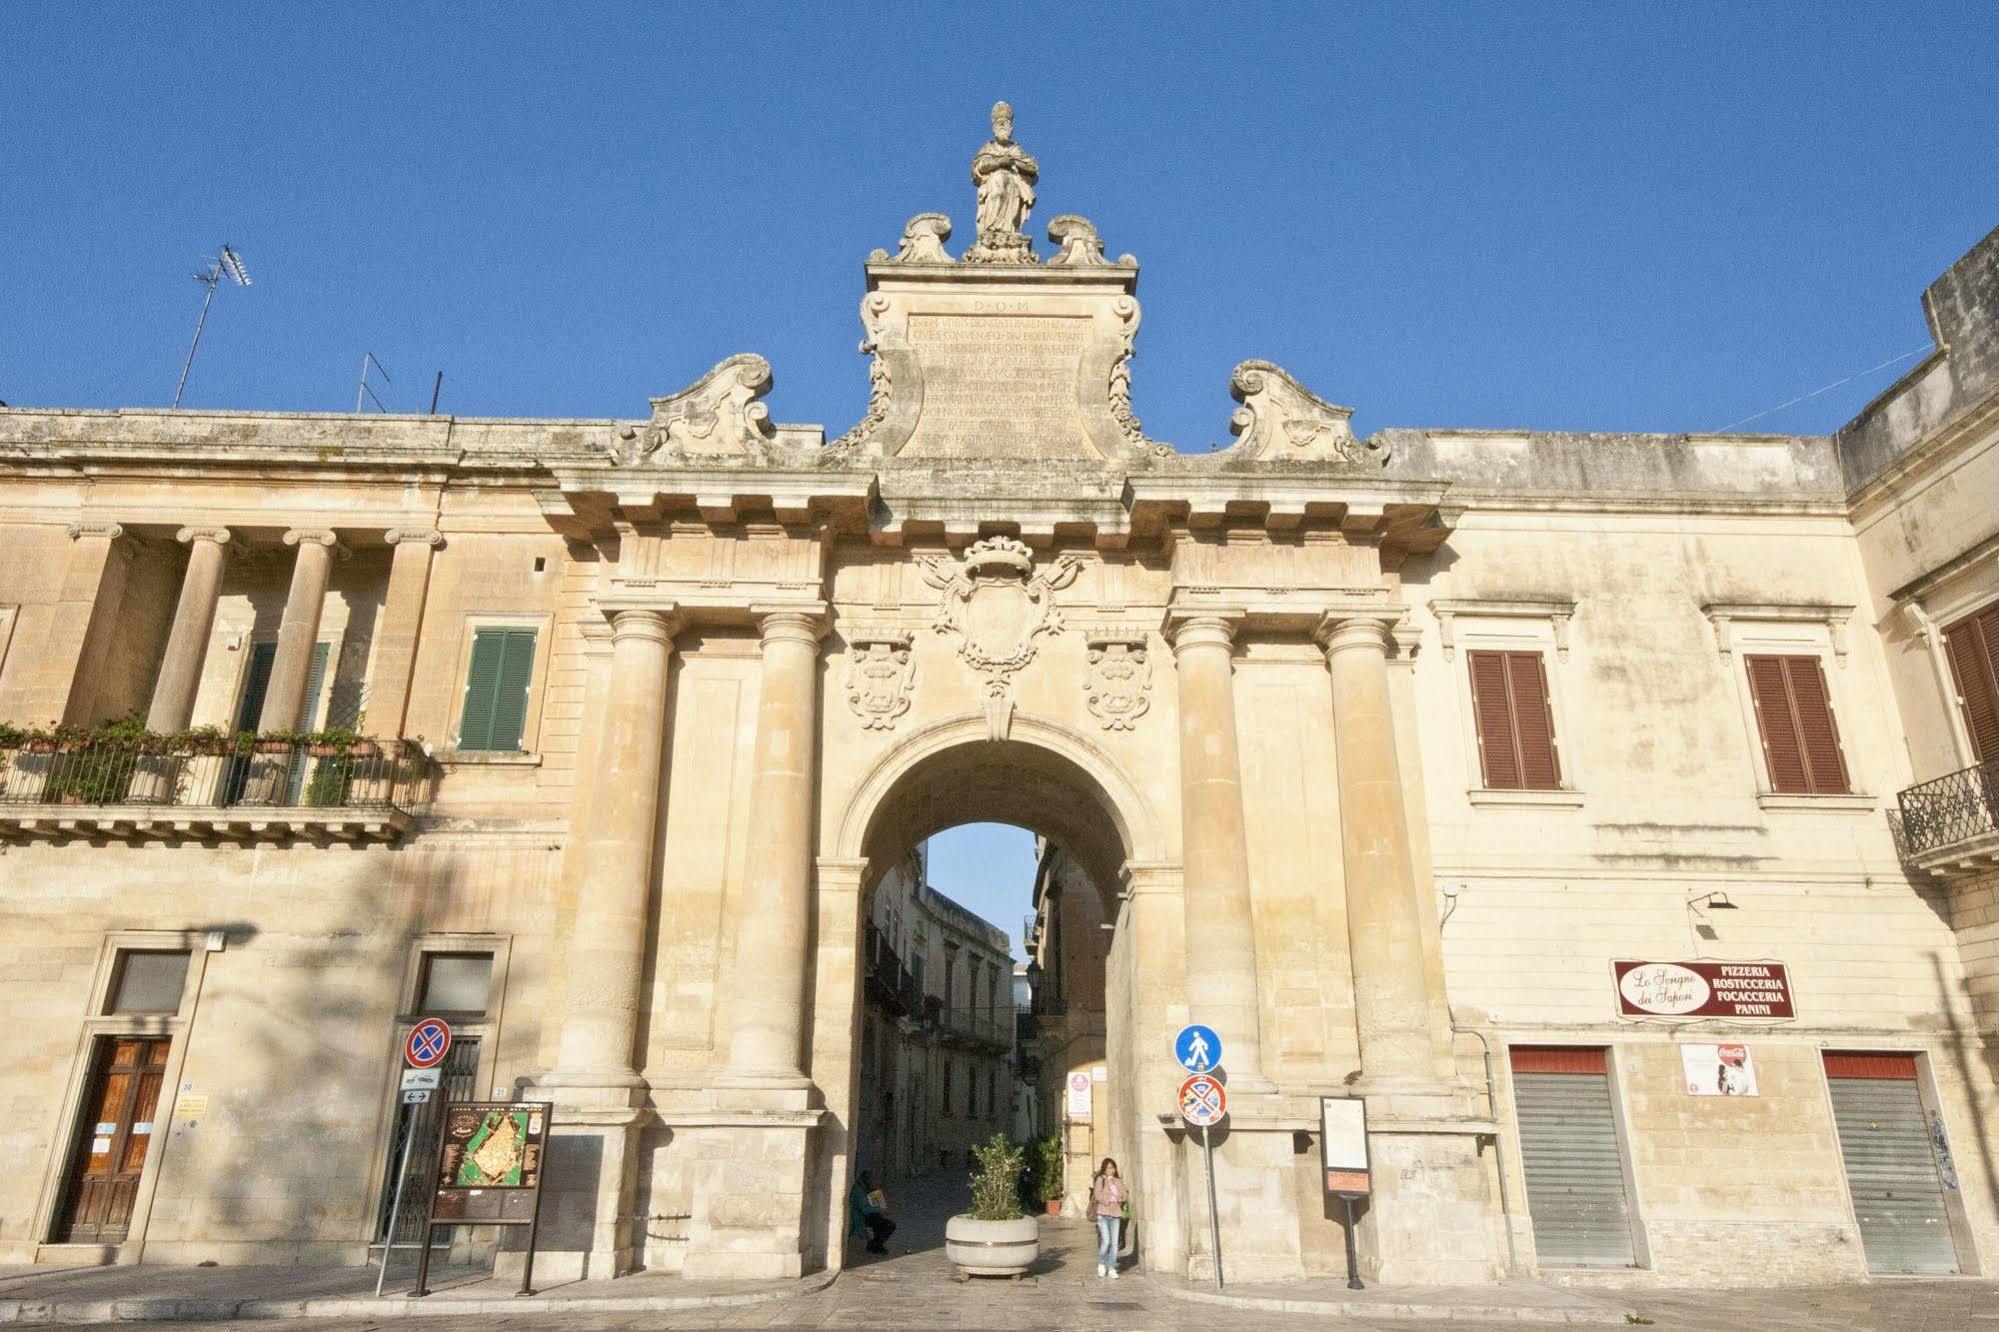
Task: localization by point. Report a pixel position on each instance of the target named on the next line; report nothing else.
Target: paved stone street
(913, 1287)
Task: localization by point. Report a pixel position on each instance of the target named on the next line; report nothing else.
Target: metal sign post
(1204, 1101)
(1214, 1219)
(425, 1048)
(396, 1208)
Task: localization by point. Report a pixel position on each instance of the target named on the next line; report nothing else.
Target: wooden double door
(112, 1140)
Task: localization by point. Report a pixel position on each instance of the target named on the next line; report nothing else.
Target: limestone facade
(689, 686)
(937, 1026)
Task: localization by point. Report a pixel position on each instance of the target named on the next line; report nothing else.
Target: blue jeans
(1107, 1233)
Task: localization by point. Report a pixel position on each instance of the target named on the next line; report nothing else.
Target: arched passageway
(1092, 826)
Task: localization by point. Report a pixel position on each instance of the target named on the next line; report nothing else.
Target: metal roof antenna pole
(228, 263)
(360, 388)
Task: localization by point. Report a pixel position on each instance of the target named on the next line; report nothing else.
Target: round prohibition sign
(1203, 1101)
(429, 1041)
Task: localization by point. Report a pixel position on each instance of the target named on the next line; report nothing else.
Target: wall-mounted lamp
(1702, 927)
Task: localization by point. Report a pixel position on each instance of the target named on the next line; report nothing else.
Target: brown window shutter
(1492, 709)
(1533, 721)
(1800, 738)
(1972, 645)
(1783, 750)
(1820, 733)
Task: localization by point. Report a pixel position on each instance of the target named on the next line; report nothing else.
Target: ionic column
(607, 942)
(67, 676)
(1221, 934)
(298, 632)
(402, 622)
(768, 989)
(194, 620)
(1384, 932)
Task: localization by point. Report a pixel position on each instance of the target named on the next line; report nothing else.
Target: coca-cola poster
(1718, 1070)
(1703, 989)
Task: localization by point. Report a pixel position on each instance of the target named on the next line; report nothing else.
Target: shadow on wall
(1965, 1047)
(299, 1013)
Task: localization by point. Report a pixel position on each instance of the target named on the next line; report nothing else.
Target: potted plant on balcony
(995, 1238)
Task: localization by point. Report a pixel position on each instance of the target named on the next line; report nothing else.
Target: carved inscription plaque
(999, 386)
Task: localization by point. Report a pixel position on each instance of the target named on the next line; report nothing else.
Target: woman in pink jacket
(1108, 1201)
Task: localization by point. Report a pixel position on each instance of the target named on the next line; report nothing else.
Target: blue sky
(1589, 218)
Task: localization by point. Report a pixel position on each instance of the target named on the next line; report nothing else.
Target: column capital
(1203, 626)
(1342, 630)
(422, 536)
(317, 536)
(653, 626)
(220, 536)
(806, 623)
(107, 531)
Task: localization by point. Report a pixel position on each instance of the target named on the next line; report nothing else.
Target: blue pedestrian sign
(1198, 1048)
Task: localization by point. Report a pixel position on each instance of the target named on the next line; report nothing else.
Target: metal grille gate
(1569, 1154)
(1891, 1168)
(460, 1083)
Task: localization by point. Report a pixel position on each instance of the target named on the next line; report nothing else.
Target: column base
(749, 1193)
(1432, 1219)
(587, 1199)
(1256, 1202)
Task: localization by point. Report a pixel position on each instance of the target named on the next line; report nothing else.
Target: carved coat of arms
(997, 605)
(880, 670)
(1119, 683)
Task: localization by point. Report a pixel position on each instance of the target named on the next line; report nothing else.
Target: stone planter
(992, 1248)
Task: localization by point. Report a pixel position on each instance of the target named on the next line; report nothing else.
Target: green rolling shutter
(496, 690)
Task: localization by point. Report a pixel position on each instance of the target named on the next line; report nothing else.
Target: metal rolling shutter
(1890, 1170)
(1568, 1150)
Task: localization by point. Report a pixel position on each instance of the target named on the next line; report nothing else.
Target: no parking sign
(429, 1041)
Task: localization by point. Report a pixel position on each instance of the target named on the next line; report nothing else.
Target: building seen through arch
(1612, 815)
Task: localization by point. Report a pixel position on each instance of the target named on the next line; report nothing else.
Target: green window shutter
(510, 705)
(496, 690)
(315, 680)
(250, 709)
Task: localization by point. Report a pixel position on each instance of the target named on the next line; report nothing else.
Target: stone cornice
(1723, 615)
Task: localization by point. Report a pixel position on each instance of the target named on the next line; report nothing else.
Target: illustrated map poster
(490, 1167)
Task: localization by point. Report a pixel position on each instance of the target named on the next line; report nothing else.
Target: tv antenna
(368, 359)
(225, 264)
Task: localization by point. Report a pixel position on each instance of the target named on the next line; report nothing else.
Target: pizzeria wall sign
(1755, 990)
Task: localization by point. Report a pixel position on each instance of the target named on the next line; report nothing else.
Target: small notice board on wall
(489, 1171)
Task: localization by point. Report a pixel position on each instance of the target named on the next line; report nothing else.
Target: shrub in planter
(330, 782)
(1049, 1170)
(995, 1238)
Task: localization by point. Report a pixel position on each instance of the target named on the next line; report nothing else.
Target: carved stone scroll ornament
(1080, 246)
(1120, 386)
(1118, 684)
(1280, 420)
(997, 605)
(881, 671)
(922, 242)
(872, 310)
(1005, 175)
(719, 415)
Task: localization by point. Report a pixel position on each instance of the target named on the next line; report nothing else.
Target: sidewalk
(56, 1295)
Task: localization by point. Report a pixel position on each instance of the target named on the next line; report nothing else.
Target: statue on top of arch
(1005, 175)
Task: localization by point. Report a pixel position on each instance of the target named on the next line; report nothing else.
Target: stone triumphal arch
(997, 598)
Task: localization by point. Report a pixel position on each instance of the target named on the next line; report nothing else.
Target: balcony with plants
(121, 781)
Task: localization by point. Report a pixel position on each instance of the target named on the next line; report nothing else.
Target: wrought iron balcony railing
(365, 790)
(1948, 812)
